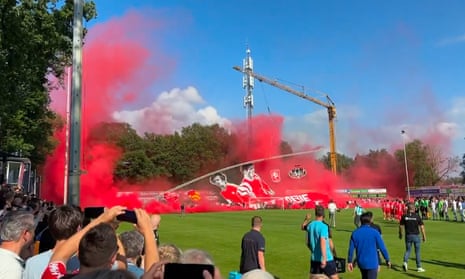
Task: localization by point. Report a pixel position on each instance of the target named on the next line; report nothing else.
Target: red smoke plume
(117, 69)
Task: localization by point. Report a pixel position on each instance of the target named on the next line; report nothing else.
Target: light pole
(406, 166)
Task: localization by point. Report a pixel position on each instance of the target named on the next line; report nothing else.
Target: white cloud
(452, 40)
(458, 109)
(448, 129)
(312, 129)
(170, 112)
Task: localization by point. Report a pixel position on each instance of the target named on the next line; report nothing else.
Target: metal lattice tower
(248, 83)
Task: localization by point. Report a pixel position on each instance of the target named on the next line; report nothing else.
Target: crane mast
(330, 107)
(248, 83)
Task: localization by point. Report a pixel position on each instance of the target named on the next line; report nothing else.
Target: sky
(387, 65)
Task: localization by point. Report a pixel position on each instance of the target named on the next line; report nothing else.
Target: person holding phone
(193, 264)
(98, 237)
(253, 248)
(97, 244)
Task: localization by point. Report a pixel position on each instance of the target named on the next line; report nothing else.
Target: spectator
(133, 243)
(253, 248)
(358, 210)
(366, 241)
(63, 223)
(155, 221)
(332, 208)
(196, 256)
(16, 233)
(97, 246)
(183, 209)
(106, 274)
(307, 220)
(377, 228)
(413, 225)
(322, 259)
(257, 274)
(7, 201)
(169, 253)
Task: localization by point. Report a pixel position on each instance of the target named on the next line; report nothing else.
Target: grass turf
(286, 254)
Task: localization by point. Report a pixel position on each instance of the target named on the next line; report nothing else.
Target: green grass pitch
(443, 253)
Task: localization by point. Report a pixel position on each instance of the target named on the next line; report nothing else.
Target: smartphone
(191, 271)
(93, 212)
(127, 216)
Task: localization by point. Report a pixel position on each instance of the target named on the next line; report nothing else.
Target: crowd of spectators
(39, 239)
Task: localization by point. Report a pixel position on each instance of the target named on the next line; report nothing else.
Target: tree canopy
(343, 162)
(35, 43)
(426, 164)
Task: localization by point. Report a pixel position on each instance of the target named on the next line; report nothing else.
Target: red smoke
(117, 69)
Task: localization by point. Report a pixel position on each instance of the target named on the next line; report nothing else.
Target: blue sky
(387, 65)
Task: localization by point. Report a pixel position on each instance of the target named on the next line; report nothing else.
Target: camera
(94, 212)
(193, 271)
(128, 216)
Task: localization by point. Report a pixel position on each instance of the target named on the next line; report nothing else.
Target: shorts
(329, 269)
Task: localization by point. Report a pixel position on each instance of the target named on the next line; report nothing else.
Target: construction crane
(330, 107)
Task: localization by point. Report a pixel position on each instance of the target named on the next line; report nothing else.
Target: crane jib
(329, 106)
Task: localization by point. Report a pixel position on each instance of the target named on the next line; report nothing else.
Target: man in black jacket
(412, 223)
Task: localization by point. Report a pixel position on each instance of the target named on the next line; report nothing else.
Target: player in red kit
(384, 207)
(232, 193)
(254, 182)
(400, 210)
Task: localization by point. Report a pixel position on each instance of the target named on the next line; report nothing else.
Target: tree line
(198, 149)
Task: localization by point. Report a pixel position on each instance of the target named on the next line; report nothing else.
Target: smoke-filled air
(120, 66)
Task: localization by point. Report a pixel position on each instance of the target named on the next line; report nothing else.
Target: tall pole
(75, 116)
(248, 85)
(406, 166)
(68, 101)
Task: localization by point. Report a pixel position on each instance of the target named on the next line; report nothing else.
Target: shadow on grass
(445, 264)
(341, 230)
(396, 267)
(399, 268)
(390, 224)
(413, 275)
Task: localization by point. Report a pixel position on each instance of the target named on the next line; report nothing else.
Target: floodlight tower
(248, 83)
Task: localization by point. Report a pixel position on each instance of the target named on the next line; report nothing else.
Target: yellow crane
(330, 107)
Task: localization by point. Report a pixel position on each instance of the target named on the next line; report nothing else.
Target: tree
(417, 165)
(427, 165)
(35, 42)
(134, 166)
(440, 164)
(285, 148)
(343, 162)
(462, 173)
(377, 168)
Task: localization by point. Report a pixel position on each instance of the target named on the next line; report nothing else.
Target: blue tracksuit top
(366, 241)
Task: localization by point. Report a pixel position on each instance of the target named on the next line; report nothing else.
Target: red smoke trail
(117, 69)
